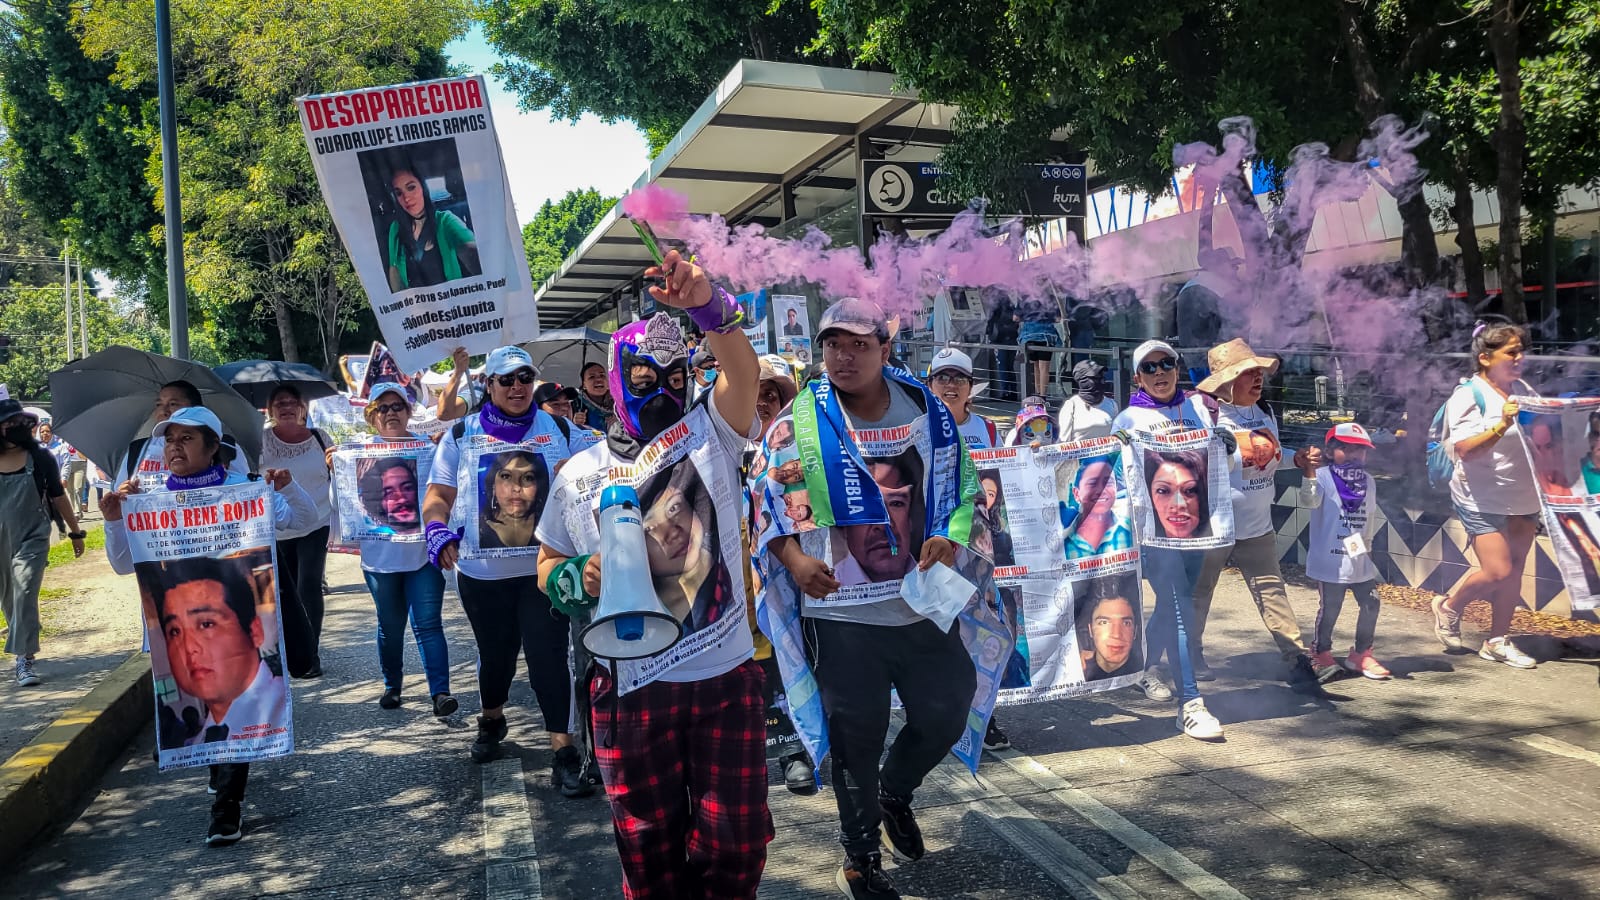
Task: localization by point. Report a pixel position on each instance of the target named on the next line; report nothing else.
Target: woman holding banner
(303, 550)
(499, 583)
(398, 573)
(1158, 406)
(1493, 491)
(196, 457)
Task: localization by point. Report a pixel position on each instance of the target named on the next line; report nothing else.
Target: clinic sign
(912, 190)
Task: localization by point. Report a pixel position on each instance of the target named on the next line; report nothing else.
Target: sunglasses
(384, 409)
(522, 376)
(1165, 365)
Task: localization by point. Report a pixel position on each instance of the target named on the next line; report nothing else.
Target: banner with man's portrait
(1063, 510)
(502, 491)
(1562, 439)
(1080, 636)
(1181, 496)
(693, 538)
(414, 178)
(378, 491)
(204, 563)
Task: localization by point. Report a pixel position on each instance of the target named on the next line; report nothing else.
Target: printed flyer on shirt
(416, 183)
(204, 563)
(503, 491)
(1562, 439)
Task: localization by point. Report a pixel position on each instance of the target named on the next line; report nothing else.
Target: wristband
(439, 537)
(721, 316)
(77, 535)
(565, 589)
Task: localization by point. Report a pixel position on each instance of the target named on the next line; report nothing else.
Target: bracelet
(77, 535)
(721, 315)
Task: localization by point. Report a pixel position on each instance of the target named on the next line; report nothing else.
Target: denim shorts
(1478, 523)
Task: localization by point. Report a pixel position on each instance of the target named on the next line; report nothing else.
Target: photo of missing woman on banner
(1554, 470)
(1106, 616)
(420, 213)
(214, 649)
(1091, 521)
(992, 500)
(389, 497)
(682, 540)
(875, 554)
(1179, 496)
(1577, 534)
(512, 488)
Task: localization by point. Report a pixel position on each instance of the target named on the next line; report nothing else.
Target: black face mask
(658, 414)
(18, 435)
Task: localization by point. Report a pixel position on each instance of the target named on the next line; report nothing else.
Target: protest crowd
(850, 532)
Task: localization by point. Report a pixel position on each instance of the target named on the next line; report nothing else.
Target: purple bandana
(503, 427)
(209, 478)
(1145, 401)
(1351, 481)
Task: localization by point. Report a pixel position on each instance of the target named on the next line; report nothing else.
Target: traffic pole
(177, 299)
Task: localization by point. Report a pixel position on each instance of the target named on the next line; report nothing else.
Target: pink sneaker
(1363, 664)
(1325, 666)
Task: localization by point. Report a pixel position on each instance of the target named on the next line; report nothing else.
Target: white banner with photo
(1063, 510)
(1077, 636)
(1181, 496)
(501, 491)
(204, 562)
(1562, 439)
(693, 521)
(416, 183)
(376, 491)
(791, 324)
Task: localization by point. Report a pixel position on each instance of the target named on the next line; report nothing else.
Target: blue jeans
(1172, 575)
(421, 593)
(1005, 366)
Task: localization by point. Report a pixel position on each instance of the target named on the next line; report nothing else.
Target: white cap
(194, 417)
(1149, 347)
(951, 358)
(505, 360)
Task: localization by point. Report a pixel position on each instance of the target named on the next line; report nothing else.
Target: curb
(42, 783)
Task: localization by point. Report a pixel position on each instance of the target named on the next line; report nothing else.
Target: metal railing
(1009, 383)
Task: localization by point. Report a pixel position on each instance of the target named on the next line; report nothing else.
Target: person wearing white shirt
(302, 552)
(1342, 500)
(950, 379)
(1089, 412)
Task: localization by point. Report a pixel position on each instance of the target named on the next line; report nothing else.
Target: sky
(545, 159)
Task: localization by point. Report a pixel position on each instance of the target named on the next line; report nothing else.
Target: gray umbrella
(102, 402)
(256, 379)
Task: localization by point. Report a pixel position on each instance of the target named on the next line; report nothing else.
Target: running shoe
(226, 827)
(1502, 650)
(1152, 685)
(994, 738)
(486, 745)
(862, 878)
(1326, 667)
(566, 773)
(1446, 625)
(26, 676)
(1364, 665)
(900, 827)
(1197, 722)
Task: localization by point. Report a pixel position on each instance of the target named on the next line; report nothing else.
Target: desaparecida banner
(204, 563)
(1562, 439)
(1179, 483)
(415, 181)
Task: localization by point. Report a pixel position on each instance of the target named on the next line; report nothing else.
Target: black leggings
(302, 563)
(508, 613)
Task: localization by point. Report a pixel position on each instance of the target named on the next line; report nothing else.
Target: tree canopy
(558, 228)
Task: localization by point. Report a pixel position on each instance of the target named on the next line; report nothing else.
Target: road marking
(1559, 748)
(511, 857)
(1054, 856)
(1179, 867)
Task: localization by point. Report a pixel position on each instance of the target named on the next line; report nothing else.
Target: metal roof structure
(774, 143)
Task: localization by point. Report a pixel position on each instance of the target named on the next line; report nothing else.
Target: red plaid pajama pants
(685, 769)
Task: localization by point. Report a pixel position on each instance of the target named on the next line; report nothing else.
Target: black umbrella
(256, 379)
(102, 402)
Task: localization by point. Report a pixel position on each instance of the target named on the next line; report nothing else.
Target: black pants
(229, 780)
(855, 666)
(302, 562)
(512, 613)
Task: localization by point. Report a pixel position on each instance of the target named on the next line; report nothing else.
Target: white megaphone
(630, 622)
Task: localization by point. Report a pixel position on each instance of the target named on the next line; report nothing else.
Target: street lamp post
(177, 299)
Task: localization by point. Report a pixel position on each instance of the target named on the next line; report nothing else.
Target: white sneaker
(1152, 685)
(1502, 650)
(1197, 722)
(26, 676)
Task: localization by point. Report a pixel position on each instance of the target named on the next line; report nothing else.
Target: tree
(35, 321)
(652, 63)
(558, 228)
(73, 150)
(257, 233)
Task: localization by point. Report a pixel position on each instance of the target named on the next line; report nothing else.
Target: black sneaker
(566, 773)
(900, 827)
(225, 824)
(1303, 677)
(390, 699)
(799, 776)
(487, 744)
(994, 738)
(444, 705)
(862, 877)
